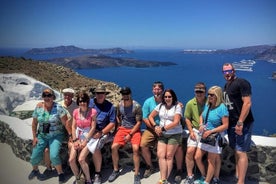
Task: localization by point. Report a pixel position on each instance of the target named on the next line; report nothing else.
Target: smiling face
(168, 98)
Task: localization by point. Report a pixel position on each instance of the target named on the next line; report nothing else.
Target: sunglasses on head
(227, 71)
(46, 95)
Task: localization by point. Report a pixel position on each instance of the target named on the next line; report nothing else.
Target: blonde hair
(218, 93)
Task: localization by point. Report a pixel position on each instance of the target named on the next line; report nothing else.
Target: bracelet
(240, 123)
(75, 140)
(130, 134)
(154, 126)
(70, 135)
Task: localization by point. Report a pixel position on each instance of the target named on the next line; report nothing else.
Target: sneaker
(61, 178)
(189, 180)
(97, 179)
(137, 179)
(178, 177)
(34, 173)
(216, 181)
(113, 176)
(200, 180)
(163, 182)
(48, 173)
(149, 171)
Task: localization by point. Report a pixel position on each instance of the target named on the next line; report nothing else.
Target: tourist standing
(129, 118)
(213, 121)
(106, 119)
(169, 131)
(237, 97)
(49, 119)
(69, 104)
(83, 127)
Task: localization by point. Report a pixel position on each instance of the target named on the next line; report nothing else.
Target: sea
(189, 69)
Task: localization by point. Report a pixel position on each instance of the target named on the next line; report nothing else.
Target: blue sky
(130, 24)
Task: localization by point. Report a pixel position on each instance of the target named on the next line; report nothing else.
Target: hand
(35, 141)
(127, 138)
(192, 136)
(76, 145)
(158, 130)
(97, 135)
(238, 129)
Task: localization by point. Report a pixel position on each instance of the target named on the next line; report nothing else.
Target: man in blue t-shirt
(106, 119)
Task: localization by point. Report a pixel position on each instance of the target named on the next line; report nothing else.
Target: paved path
(14, 170)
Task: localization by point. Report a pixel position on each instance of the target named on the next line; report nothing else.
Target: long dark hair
(174, 97)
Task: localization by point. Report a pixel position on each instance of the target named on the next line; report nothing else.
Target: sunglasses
(211, 95)
(100, 93)
(47, 95)
(167, 96)
(82, 101)
(199, 92)
(227, 71)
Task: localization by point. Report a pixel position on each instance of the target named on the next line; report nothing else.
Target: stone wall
(262, 159)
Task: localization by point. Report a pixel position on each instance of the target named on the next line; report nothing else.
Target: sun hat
(68, 90)
(125, 91)
(100, 89)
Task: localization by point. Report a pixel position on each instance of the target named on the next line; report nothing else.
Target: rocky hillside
(56, 76)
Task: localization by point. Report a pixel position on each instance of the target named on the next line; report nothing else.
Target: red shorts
(122, 132)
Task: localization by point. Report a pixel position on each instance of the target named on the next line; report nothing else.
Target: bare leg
(115, 156)
(136, 158)
(190, 163)
(241, 166)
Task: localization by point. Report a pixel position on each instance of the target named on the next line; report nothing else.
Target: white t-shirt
(167, 116)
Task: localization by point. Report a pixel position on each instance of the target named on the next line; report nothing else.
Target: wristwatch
(240, 123)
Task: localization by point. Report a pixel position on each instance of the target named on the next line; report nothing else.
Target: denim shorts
(240, 142)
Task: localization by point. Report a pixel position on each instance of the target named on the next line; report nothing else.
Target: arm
(157, 129)
(176, 121)
(245, 108)
(34, 129)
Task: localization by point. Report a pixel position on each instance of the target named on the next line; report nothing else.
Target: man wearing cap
(69, 104)
(106, 119)
(192, 112)
(129, 117)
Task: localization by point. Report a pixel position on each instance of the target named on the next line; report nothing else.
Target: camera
(45, 128)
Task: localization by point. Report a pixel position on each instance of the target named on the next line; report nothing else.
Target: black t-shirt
(233, 93)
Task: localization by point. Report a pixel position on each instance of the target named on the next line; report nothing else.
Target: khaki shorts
(148, 139)
(173, 139)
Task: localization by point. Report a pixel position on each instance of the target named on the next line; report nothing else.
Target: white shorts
(191, 142)
(212, 149)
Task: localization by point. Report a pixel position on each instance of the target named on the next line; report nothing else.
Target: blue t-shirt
(105, 113)
(215, 116)
(148, 107)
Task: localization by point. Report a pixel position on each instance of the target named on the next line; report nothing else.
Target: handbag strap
(207, 114)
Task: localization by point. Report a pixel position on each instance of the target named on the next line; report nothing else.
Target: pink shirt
(86, 122)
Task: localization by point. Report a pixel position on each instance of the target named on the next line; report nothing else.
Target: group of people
(88, 123)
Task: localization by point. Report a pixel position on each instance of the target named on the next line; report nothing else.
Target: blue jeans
(54, 143)
(240, 142)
